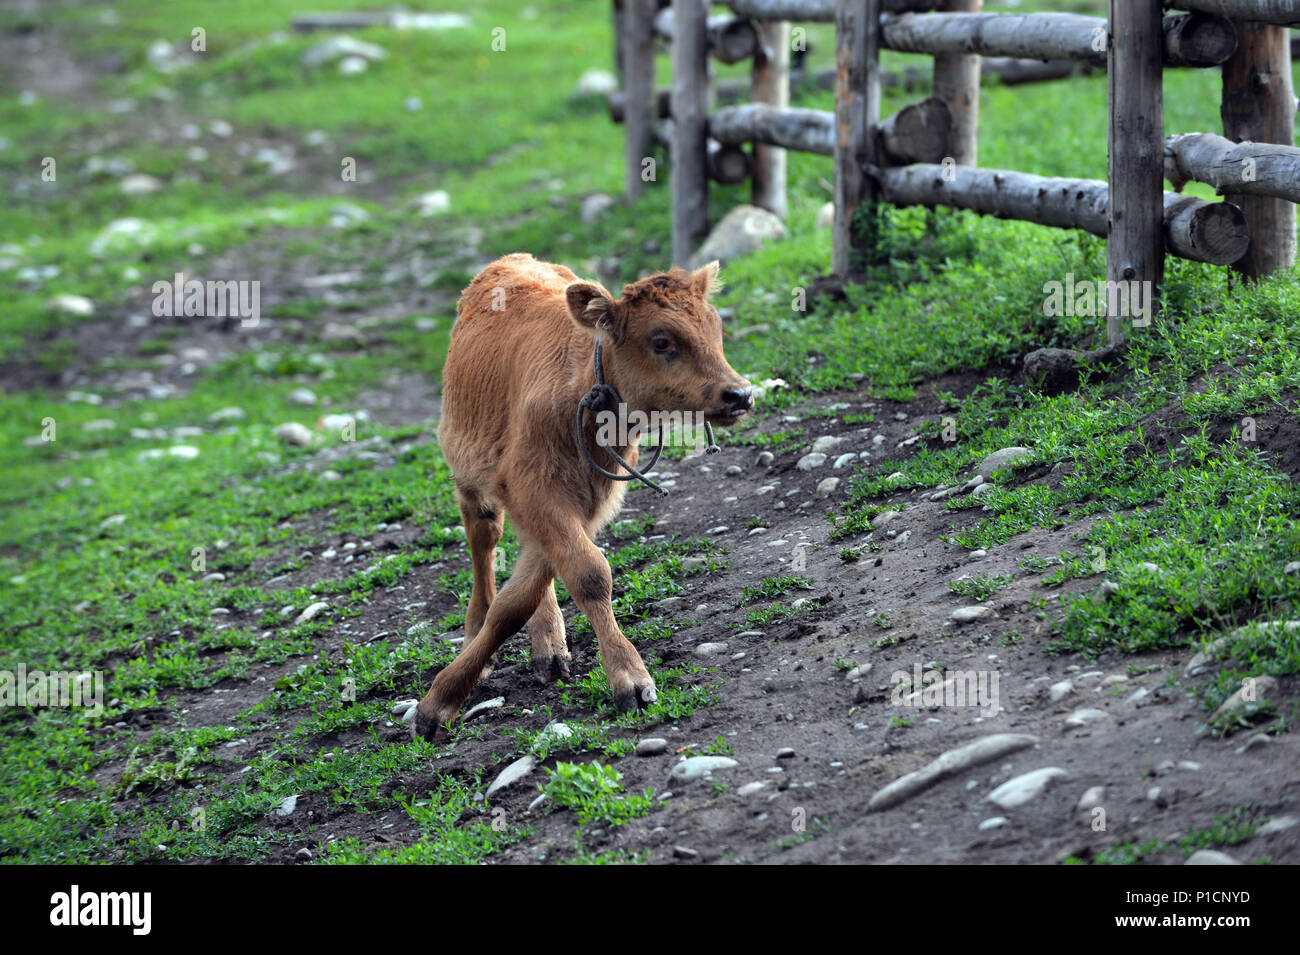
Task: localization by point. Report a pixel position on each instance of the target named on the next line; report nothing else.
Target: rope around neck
(605, 397)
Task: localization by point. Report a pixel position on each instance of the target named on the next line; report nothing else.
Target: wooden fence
(927, 153)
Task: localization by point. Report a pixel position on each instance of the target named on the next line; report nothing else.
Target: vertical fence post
(1135, 250)
(857, 113)
(638, 31)
(771, 85)
(1259, 105)
(690, 176)
(957, 83)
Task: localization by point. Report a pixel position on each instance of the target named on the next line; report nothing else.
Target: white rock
(883, 518)
(596, 83)
(1082, 717)
(652, 746)
(434, 203)
(595, 207)
(1059, 691)
(844, 460)
(338, 48)
(310, 611)
(995, 822)
(1028, 786)
(1253, 690)
(980, 751)
(512, 774)
(810, 461)
(302, 396)
(77, 306)
(1210, 857)
(139, 184)
(743, 230)
(287, 805)
(971, 614)
(1277, 824)
(1092, 797)
(710, 649)
(479, 708)
(293, 433)
(826, 443)
(826, 216)
(1000, 460)
(401, 706)
(700, 767)
(226, 414)
(826, 487)
(750, 789)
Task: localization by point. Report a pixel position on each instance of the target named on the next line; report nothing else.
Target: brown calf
(520, 362)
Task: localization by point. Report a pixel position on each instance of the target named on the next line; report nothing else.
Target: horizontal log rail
(918, 132)
(1213, 232)
(1198, 39)
(1257, 169)
(1284, 13)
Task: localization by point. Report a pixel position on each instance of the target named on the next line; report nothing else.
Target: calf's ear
(704, 280)
(590, 306)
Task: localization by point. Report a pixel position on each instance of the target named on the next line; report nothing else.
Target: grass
(1154, 456)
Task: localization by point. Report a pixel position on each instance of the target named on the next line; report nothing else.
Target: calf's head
(663, 344)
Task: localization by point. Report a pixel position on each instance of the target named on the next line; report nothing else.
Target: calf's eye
(662, 345)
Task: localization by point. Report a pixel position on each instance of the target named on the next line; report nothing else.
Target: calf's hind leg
(550, 649)
(510, 610)
(483, 526)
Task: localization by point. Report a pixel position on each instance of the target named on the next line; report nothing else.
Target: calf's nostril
(740, 399)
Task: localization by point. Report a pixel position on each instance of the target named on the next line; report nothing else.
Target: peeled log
(916, 133)
(807, 130)
(920, 132)
(729, 38)
(1213, 232)
(1278, 12)
(1189, 39)
(1257, 169)
(728, 164)
(815, 11)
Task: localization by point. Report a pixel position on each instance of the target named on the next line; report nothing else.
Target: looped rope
(605, 397)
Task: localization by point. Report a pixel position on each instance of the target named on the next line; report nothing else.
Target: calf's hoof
(428, 727)
(638, 695)
(550, 669)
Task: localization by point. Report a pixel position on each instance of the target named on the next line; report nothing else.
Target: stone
(652, 746)
(139, 184)
(596, 82)
(1092, 797)
(1025, 787)
(971, 614)
(1059, 691)
(883, 518)
(750, 789)
(710, 649)
(764, 459)
(287, 805)
(954, 761)
(76, 306)
(1277, 824)
(994, 822)
(682, 852)
(858, 672)
(479, 708)
(512, 774)
(743, 230)
(1003, 459)
(302, 855)
(1210, 857)
(785, 752)
(1253, 690)
(844, 460)
(339, 48)
(1054, 370)
(826, 216)
(310, 612)
(700, 767)
(226, 414)
(303, 397)
(434, 203)
(826, 443)
(293, 433)
(595, 207)
(1082, 717)
(810, 461)
(734, 471)
(401, 706)
(826, 487)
